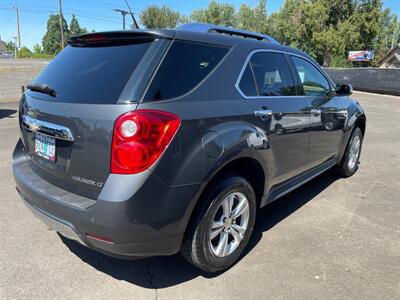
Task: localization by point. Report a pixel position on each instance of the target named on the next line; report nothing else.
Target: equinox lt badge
(87, 181)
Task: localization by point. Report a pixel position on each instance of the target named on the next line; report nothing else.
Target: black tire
(196, 247)
(343, 169)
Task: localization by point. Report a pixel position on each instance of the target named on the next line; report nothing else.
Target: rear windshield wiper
(42, 88)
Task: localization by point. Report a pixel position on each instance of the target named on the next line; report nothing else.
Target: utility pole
(123, 13)
(61, 24)
(18, 37)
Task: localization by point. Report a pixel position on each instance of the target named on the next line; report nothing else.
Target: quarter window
(184, 66)
(267, 74)
(314, 83)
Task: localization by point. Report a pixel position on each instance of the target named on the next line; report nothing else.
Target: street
(330, 239)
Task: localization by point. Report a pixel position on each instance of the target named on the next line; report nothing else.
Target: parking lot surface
(15, 73)
(330, 239)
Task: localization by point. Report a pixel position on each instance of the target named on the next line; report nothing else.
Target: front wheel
(349, 164)
(223, 225)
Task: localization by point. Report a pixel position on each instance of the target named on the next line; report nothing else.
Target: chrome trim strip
(274, 51)
(46, 128)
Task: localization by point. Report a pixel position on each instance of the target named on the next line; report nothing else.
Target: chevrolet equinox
(153, 142)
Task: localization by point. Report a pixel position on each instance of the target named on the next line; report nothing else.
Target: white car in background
(7, 54)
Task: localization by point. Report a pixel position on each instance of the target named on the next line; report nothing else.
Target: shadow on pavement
(4, 113)
(161, 272)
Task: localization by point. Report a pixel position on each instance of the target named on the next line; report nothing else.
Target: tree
(10, 46)
(388, 35)
(52, 39)
(253, 19)
(219, 14)
(327, 28)
(288, 25)
(37, 49)
(160, 17)
(25, 52)
(74, 27)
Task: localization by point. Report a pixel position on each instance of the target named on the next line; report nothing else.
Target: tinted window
(271, 73)
(314, 83)
(247, 84)
(92, 74)
(184, 66)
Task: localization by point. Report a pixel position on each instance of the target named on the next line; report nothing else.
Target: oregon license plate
(45, 146)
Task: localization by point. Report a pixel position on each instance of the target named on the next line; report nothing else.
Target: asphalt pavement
(330, 239)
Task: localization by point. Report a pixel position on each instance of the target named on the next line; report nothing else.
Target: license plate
(45, 146)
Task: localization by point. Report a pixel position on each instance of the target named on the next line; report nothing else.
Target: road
(330, 239)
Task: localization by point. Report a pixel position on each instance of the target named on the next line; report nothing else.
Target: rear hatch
(67, 114)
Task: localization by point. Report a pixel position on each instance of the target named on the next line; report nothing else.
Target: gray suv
(153, 142)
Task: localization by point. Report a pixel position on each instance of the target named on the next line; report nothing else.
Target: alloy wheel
(354, 151)
(229, 224)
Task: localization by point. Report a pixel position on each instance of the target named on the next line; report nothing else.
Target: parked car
(153, 142)
(7, 54)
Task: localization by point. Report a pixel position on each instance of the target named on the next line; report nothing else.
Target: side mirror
(344, 89)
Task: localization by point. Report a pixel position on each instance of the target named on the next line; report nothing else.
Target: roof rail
(210, 28)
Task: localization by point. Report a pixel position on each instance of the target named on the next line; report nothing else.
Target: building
(392, 59)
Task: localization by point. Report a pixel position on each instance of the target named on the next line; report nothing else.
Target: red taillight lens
(140, 137)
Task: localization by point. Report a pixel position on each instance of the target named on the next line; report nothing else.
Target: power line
(133, 17)
(35, 11)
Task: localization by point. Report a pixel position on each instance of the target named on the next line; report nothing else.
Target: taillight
(140, 137)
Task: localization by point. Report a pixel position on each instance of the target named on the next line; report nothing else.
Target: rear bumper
(122, 251)
(150, 222)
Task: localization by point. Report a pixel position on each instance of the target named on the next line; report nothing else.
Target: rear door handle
(263, 114)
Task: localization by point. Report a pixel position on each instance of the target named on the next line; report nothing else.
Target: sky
(98, 14)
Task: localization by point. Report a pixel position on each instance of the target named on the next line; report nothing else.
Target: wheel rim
(354, 151)
(229, 224)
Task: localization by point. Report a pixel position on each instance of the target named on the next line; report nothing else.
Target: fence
(386, 81)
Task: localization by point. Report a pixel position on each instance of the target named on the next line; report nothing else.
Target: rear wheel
(349, 164)
(222, 226)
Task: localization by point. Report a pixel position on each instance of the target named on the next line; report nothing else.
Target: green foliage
(216, 13)
(340, 61)
(25, 52)
(388, 35)
(37, 49)
(254, 19)
(328, 29)
(160, 17)
(10, 46)
(75, 28)
(52, 39)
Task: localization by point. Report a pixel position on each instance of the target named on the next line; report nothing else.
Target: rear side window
(92, 74)
(247, 84)
(267, 74)
(183, 68)
(314, 83)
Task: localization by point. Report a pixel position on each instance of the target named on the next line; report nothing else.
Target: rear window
(183, 68)
(92, 74)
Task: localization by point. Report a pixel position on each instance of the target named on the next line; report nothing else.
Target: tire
(350, 161)
(200, 247)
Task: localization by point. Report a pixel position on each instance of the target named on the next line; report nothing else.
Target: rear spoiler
(119, 37)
